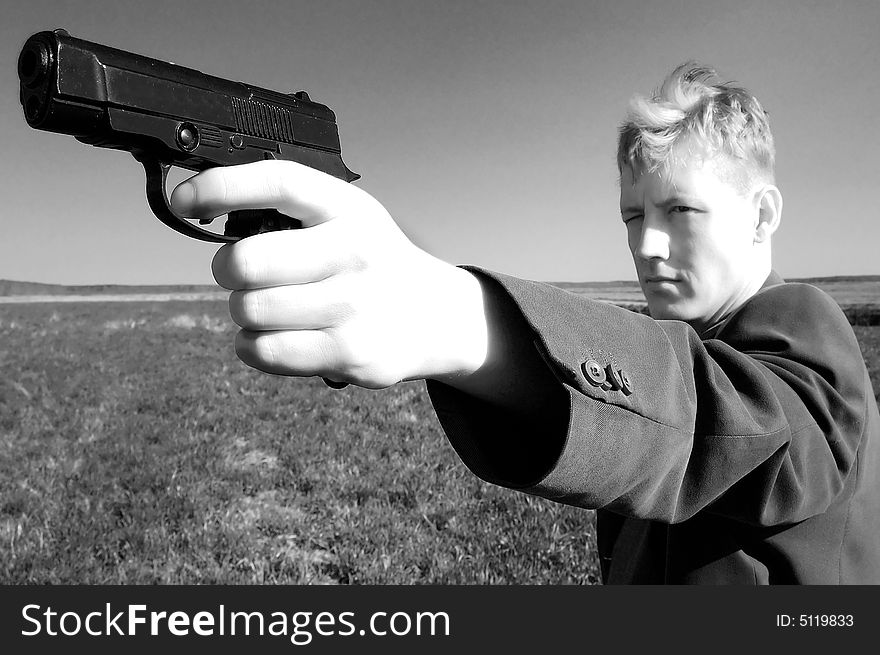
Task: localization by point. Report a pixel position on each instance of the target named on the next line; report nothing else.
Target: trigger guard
(157, 176)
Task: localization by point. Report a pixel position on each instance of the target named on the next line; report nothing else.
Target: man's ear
(769, 201)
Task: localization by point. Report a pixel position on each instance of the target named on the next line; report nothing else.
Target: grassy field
(137, 449)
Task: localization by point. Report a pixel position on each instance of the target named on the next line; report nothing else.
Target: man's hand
(348, 297)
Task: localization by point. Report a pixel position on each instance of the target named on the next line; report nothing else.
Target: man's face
(691, 235)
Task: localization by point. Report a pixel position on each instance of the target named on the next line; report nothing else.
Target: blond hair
(694, 108)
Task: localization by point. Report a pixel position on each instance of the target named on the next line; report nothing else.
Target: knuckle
(268, 351)
(276, 186)
(355, 293)
(246, 308)
(345, 309)
(225, 186)
(248, 262)
(352, 356)
(257, 350)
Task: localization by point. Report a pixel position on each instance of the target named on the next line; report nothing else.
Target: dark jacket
(749, 454)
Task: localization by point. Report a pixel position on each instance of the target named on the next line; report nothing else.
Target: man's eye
(627, 219)
(681, 209)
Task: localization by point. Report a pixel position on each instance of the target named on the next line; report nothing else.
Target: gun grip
(247, 222)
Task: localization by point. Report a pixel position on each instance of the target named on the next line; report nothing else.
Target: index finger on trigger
(294, 189)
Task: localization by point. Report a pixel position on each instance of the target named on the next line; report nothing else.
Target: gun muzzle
(38, 74)
(34, 66)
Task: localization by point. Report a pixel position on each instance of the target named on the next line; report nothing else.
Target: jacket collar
(774, 279)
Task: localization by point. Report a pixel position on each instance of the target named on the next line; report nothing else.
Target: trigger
(205, 221)
(157, 173)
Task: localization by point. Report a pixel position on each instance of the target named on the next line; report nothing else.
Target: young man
(731, 438)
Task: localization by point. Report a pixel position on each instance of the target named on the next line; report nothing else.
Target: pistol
(166, 115)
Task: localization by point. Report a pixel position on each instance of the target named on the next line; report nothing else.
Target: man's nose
(653, 241)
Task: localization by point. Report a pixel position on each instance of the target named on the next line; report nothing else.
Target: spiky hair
(693, 108)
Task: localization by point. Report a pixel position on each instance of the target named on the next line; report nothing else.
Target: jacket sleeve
(760, 424)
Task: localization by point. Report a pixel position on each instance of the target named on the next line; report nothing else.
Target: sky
(488, 129)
